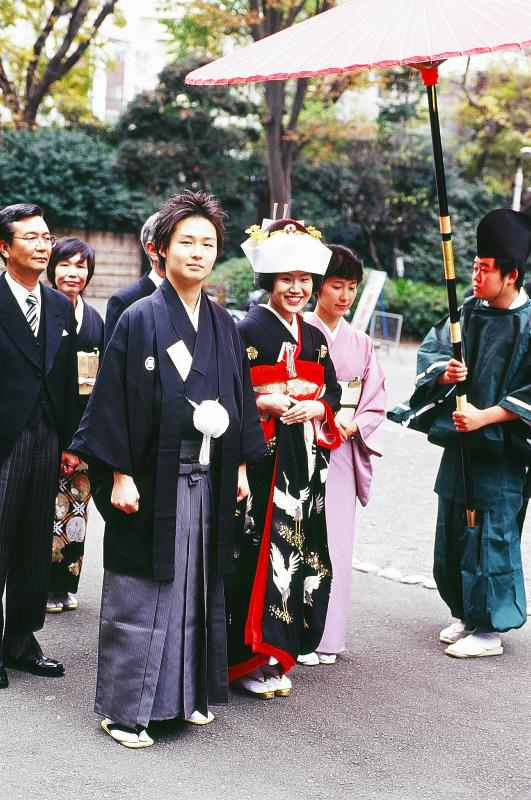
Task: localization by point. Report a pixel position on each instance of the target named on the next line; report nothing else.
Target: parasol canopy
(366, 34)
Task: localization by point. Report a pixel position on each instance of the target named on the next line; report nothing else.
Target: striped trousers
(28, 487)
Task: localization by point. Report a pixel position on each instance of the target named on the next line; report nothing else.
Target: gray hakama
(162, 644)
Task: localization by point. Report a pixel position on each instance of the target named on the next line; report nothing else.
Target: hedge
(421, 304)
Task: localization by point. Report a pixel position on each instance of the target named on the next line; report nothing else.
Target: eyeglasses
(33, 238)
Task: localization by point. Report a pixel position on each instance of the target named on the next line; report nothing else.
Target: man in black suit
(38, 415)
(143, 287)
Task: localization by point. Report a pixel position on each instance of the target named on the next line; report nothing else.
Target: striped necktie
(31, 312)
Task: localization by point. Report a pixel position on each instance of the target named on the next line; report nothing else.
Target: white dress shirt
(78, 313)
(155, 277)
(21, 295)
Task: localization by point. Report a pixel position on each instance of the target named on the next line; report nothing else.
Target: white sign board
(368, 300)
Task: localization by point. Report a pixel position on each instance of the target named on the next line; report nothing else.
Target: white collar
(193, 315)
(331, 333)
(155, 277)
(293, 328)
(78, 313)
(21, 293)
(520, 300)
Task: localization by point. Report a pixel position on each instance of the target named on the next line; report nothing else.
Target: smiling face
(26, 260)
(336, 297)
(71, 276)
(291, 291)
(489, 284)
(191, 253)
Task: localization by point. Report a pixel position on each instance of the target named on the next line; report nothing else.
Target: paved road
(394, 719)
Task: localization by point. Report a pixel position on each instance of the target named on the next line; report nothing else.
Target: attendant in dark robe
(478, 569)
(281, 586)
(143, 287)
(169, 428)
(70, 270)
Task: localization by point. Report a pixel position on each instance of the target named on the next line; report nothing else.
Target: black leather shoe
(4, 680)
(47, 667)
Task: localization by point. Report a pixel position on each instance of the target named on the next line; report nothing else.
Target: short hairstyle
(14, 213)
(65, 248)
(266, 280)
(344, 264)
(181, 206)
(508, 265)
(148, 229)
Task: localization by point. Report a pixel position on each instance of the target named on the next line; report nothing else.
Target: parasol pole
(430, 75)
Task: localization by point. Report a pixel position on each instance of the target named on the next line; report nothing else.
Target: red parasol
(364, 34)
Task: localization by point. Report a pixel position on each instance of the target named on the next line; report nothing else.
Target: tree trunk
(276, 173)
(372, 247)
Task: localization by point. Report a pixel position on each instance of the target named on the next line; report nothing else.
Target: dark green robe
(479, 570)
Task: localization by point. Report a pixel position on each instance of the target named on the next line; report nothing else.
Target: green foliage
(494, 122)
(202, 27)
(421, 305)
(177, 137)
(378, 197)
(401, 97)
(372, 187)
(234, 277)
(72, 175)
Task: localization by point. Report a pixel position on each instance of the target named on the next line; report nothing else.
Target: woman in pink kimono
(362, 411)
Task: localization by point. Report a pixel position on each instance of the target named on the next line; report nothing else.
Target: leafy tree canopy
(45, 56)
(177, 137)
(72, 175)
(204, 28)
(494, 122)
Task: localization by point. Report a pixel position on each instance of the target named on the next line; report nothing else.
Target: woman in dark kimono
(168, 430)
(281, 585)
(70, 271)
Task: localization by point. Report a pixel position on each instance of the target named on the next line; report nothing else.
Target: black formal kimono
(139, 422)
(71, 504)
(122, 299)
(281, 585)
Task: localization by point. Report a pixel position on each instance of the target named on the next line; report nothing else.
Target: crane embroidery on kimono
(282, 575)
(311, 583)
(309, 442)
(318, 503)
(290, 504)
(323, 470)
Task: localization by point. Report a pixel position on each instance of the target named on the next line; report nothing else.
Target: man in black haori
(143, 287)
(169, 428)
